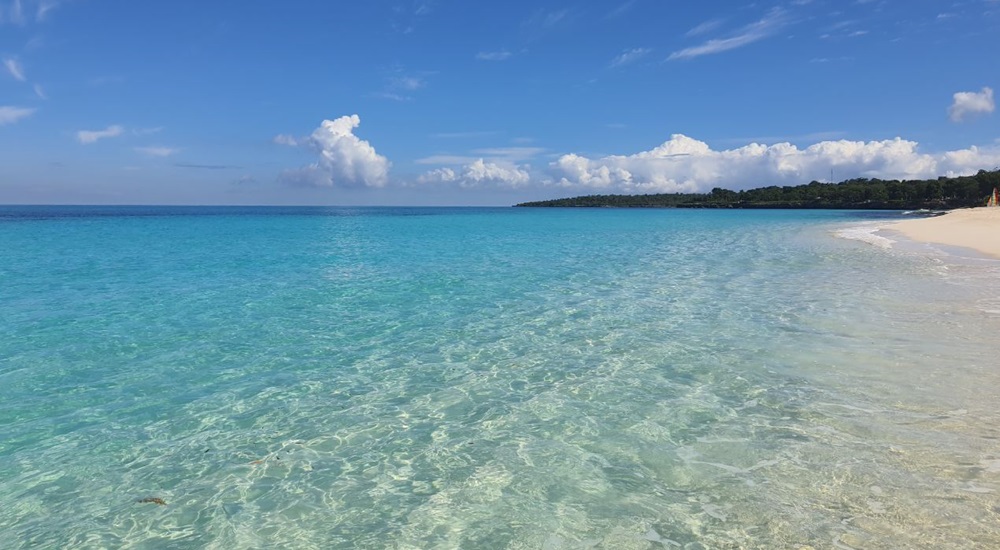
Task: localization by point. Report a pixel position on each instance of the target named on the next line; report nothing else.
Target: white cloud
(16, 13)
(479, 173)
(14, 68)
(44, 7)
(40, 92)
(706, 27)
(545, 19)
(91, 136)
(344, 159)
(157, 151)
(683, 164)
(767, 26)
(438, 175)
(399, 86)
(629, 56)
(10, 115)
(493, 56)
(285, 139)
(407, 83)
(622, 8)
(393, 96)
(971, 103)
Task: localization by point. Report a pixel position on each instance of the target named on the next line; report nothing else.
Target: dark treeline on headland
(858, 193)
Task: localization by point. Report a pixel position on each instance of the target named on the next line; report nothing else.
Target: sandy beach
(975, 228)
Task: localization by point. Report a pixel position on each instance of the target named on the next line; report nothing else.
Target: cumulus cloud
(480, 173)
(683, 164)
(971, 103)
(91, 136)
(344, 159)
(14, 68)
(10, 114)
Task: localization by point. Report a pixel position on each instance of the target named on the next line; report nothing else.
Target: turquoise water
(491, 378)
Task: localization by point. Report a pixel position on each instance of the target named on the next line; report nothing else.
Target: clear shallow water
(490, 378)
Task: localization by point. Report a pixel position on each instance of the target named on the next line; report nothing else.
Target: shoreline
(973, 228)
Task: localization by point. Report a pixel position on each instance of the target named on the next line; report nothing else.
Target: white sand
(975, 228)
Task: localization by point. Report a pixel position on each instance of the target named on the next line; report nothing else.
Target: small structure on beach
(994, 199)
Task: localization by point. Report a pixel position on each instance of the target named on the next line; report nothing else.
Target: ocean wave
(865, 233)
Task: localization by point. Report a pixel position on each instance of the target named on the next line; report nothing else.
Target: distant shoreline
(942, 193)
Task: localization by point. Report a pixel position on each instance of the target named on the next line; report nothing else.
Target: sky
(448, 102)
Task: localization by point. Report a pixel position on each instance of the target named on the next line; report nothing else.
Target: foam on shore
(866, 233)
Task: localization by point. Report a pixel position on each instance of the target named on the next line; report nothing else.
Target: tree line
(857, 193)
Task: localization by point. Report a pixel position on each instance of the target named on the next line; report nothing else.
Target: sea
(257, 378)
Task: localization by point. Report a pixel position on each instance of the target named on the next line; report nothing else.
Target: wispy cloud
(502, 155)
(91, 136)
(493, 56)
(14, 68)
(406, 18)
(543, 22)
(157, 151)
(207, 166)
(44, 7)
(40, 92)
(788, 138)
(15, 14)
(546, 18)
(706, 27)
(621, 8)
(758, 30)
(629, 56)
(10, 114)
(147, 131)
(407, 83)
(967, 104)
(461, 135)
(399, 85)
(392, 96)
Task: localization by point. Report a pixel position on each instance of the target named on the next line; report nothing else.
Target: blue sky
(447, 102)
